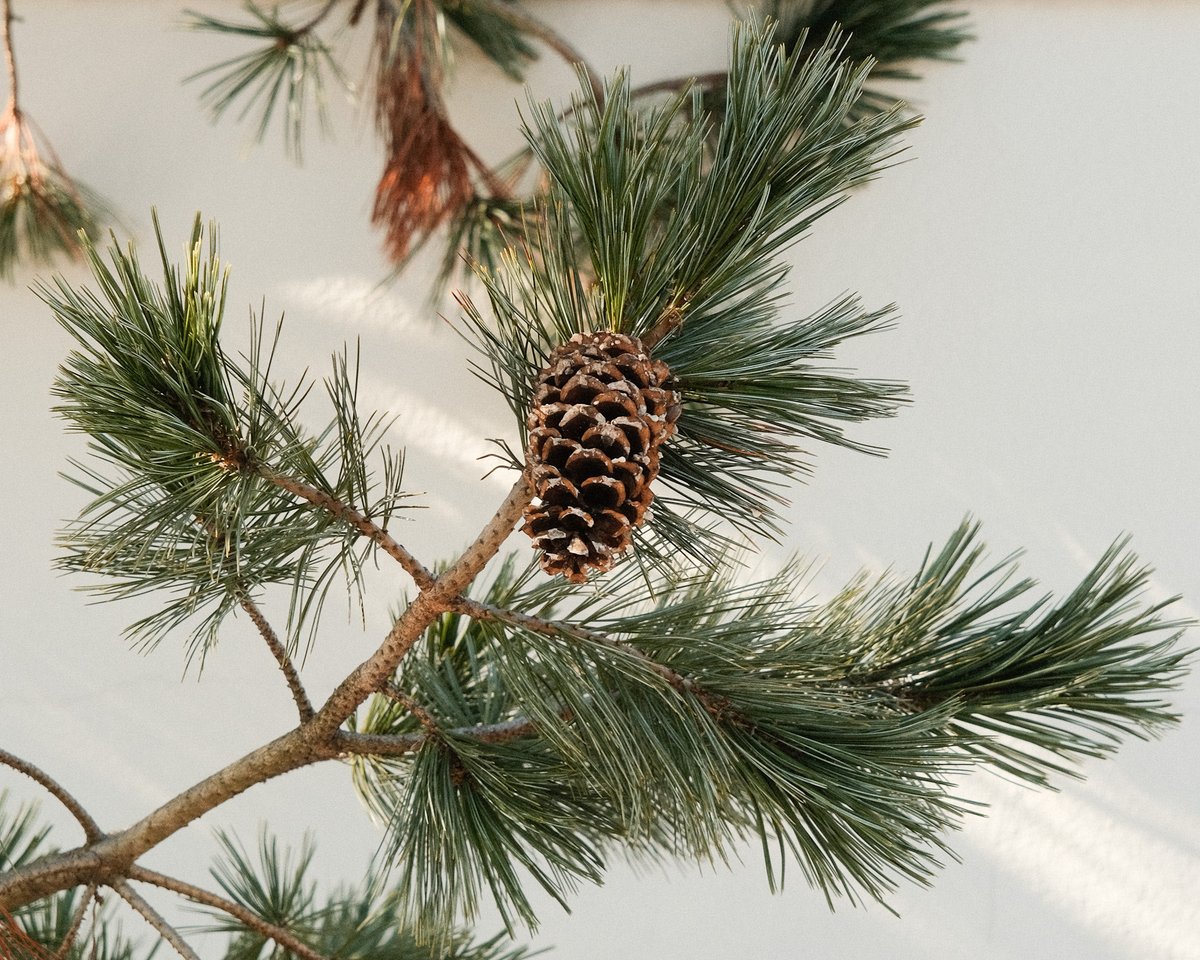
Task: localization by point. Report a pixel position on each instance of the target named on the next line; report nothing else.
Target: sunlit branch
(155, 919)
(91, 829)
(199, 895)
(318, 498)
(281, 656)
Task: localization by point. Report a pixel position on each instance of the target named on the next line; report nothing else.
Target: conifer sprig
(682, 715)
(647, 232)
(188, 443)
(43, 211)
(285, 75)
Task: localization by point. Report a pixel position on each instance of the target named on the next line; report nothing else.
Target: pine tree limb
(401, 744)
(91, 829)
(199, 895)
(303, 705)
(155, 919)
(319, 498)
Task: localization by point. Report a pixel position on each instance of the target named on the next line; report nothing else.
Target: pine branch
(318, 498)
(279, 652)
(374, 674)
(91, 829)
(155, 919)
(285, 938)
(285, 74)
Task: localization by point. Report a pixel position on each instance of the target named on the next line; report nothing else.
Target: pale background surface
(1043, 247)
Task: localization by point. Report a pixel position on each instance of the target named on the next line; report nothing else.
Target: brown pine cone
(601, 409)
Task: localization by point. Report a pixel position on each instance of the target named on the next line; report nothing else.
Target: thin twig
(677, 84)
(716, 705)
(285, 938)
(303, 704)
(155, 919)
(549, 36)
(319, 498)
(397, 745)
(559, 629)
(76, 921)
(411, 705)
(91, 829)
(10, 61)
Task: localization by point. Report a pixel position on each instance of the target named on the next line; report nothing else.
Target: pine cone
(601, 409)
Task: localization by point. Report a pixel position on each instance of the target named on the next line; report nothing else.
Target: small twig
(411, 705)
(285, 938)
(716, 706)
(155, 919)
(10, 61)
(549, 36)
(556, 628)
(91, 829)
(76, 922)
(372, 674)
(397, 745)
(281, 656)
(318, 498)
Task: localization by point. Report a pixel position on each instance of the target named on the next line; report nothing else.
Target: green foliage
(277, 889)
(893, 36)
(187, 439)
(42, 210)
(47, 922)
(681, 715)
(286, 74)
(22, 837)
(671, 234)
(350, 923)
(497, 36)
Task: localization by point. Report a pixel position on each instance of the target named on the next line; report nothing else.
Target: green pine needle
(285, 76)
(645, 221)
(496, 36)
(183, 437)
(43, 212)
(680, 714)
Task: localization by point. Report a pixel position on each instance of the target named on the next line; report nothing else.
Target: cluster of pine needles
(42, 210)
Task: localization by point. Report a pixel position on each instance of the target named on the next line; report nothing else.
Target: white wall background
(1043, 247)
